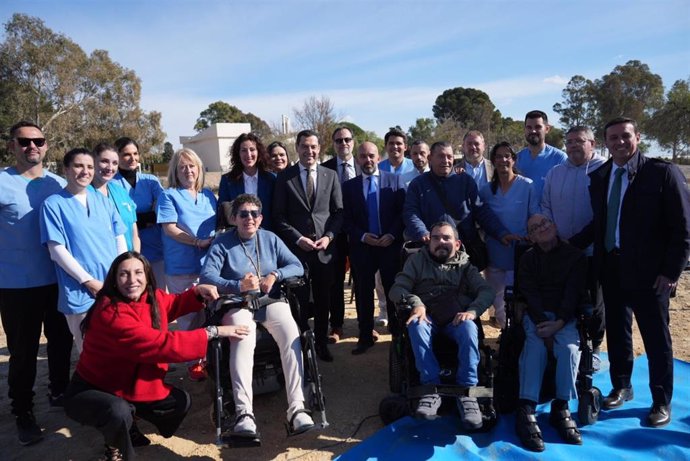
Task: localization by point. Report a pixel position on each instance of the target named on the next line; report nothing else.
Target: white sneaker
(428, 406)
(382, 321)
(245, 424)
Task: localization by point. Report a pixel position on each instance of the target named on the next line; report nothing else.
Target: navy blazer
(230, 188)
(391, 200)
(654, 221)
(293, 217)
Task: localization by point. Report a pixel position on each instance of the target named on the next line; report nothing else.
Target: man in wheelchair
(447, 294)
(246, 260)
(552, 280)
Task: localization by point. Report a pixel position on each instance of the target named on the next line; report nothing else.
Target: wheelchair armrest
(403, 308)
(293, 282)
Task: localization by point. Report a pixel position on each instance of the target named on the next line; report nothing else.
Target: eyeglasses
(545, 224)
(343, 140)
(26, 142)
(244, 214)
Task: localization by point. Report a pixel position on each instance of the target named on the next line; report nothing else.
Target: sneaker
(470, 415)
(428, 406)
(111, 454)
(382, 320)
(197, 372)
(27, 429)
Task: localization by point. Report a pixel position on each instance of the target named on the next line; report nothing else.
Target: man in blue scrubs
(537, 159)
(28, 289)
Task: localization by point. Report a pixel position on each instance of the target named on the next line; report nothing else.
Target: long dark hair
(111, 291)
(236, 167)
(492, 159)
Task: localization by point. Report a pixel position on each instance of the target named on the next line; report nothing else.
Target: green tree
(222, 112)
(423, 129)
(630, 90)
(579, 105)
(469, 107)
(77, 99)
(670, 125)
(168, 152)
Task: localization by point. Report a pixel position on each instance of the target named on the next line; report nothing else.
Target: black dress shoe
(528, 431)
(617, 397)
(323, 353)
(659, 415)
(362, 348)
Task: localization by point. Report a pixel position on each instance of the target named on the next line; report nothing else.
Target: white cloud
(557, 80)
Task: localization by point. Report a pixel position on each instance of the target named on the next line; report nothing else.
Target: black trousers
(366, 264)
(318, 288)
(651, 313)
(338, 292)
(597, 325)
(24, 311)
(113, 416)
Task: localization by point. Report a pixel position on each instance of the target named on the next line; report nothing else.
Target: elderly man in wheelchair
(446, 294)
(249, 261)
(552, 281)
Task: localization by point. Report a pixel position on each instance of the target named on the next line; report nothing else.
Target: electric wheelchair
(511, 340)
(267, 373)
(404, 378)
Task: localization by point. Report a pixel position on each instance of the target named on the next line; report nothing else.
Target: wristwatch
(212, 332)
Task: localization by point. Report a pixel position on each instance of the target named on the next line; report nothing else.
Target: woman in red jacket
(127, 348)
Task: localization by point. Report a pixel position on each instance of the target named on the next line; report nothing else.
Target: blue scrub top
(24, 262)
(89, 235)
(125, 207)
(196, 217)
(407, 166)
(513, 209)
(536, 168)
(145, 195)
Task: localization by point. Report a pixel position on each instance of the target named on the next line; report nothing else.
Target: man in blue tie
(375, 235)
(641, 233)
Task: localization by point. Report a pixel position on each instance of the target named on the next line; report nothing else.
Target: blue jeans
(533, 359)
(464, 335)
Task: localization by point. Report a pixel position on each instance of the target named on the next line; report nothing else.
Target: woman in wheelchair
(552, 280)
(244, 260)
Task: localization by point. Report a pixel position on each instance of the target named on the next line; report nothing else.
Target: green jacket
(444, 289)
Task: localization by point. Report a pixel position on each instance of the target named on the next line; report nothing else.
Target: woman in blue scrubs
(84, 233)
(248, 175)
(512, 198)
(187, 214)
(144, 189)
(107, 161)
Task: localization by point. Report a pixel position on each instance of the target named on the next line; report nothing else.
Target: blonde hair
(188, 154)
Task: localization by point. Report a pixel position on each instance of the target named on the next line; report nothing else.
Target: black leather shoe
(362, 348)
(323, 353)
(659, 415)
(567, 429)
(617, 397)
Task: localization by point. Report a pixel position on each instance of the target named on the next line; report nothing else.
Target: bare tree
(317, 114)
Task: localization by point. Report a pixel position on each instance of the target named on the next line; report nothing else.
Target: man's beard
(533, 139)
(441, 255)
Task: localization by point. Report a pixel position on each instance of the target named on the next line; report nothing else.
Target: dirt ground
(353, 386)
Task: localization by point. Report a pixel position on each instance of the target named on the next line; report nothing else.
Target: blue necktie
(612, 210)
(372, 207)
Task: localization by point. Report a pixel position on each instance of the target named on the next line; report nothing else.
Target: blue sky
(382, 63)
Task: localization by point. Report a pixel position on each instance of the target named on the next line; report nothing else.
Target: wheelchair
(267, 374)
(404, 378)
(511, 340)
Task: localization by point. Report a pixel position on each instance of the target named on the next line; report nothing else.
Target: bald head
(368, 157)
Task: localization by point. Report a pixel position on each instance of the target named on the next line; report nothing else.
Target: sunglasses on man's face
(244, 214)
(343, 140)
(26, 142)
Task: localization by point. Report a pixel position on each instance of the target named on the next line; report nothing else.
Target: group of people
(101, 250)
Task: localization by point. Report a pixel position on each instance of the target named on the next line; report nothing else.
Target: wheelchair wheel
(393, 408)
(395, 367)
(588, 407)
(317, 401)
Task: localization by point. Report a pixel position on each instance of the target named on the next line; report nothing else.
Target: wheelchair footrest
(448, 390)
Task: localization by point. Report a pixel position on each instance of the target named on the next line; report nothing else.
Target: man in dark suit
(373, 203)
(346, 168)
(308, 214)
(641, 232)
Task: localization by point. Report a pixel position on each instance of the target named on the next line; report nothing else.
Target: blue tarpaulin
(620, 434)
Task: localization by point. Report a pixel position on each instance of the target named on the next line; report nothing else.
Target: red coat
(124, 355)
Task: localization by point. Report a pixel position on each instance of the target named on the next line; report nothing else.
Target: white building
(214, 143)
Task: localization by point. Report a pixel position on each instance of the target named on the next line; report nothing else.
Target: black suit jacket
(293, 217)
(654, 221)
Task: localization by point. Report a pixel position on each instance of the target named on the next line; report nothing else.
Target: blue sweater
(423, 207)
(227, 262)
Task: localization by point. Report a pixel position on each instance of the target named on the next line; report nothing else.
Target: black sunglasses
(343, 140)
(26, 142)
(244, 214)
